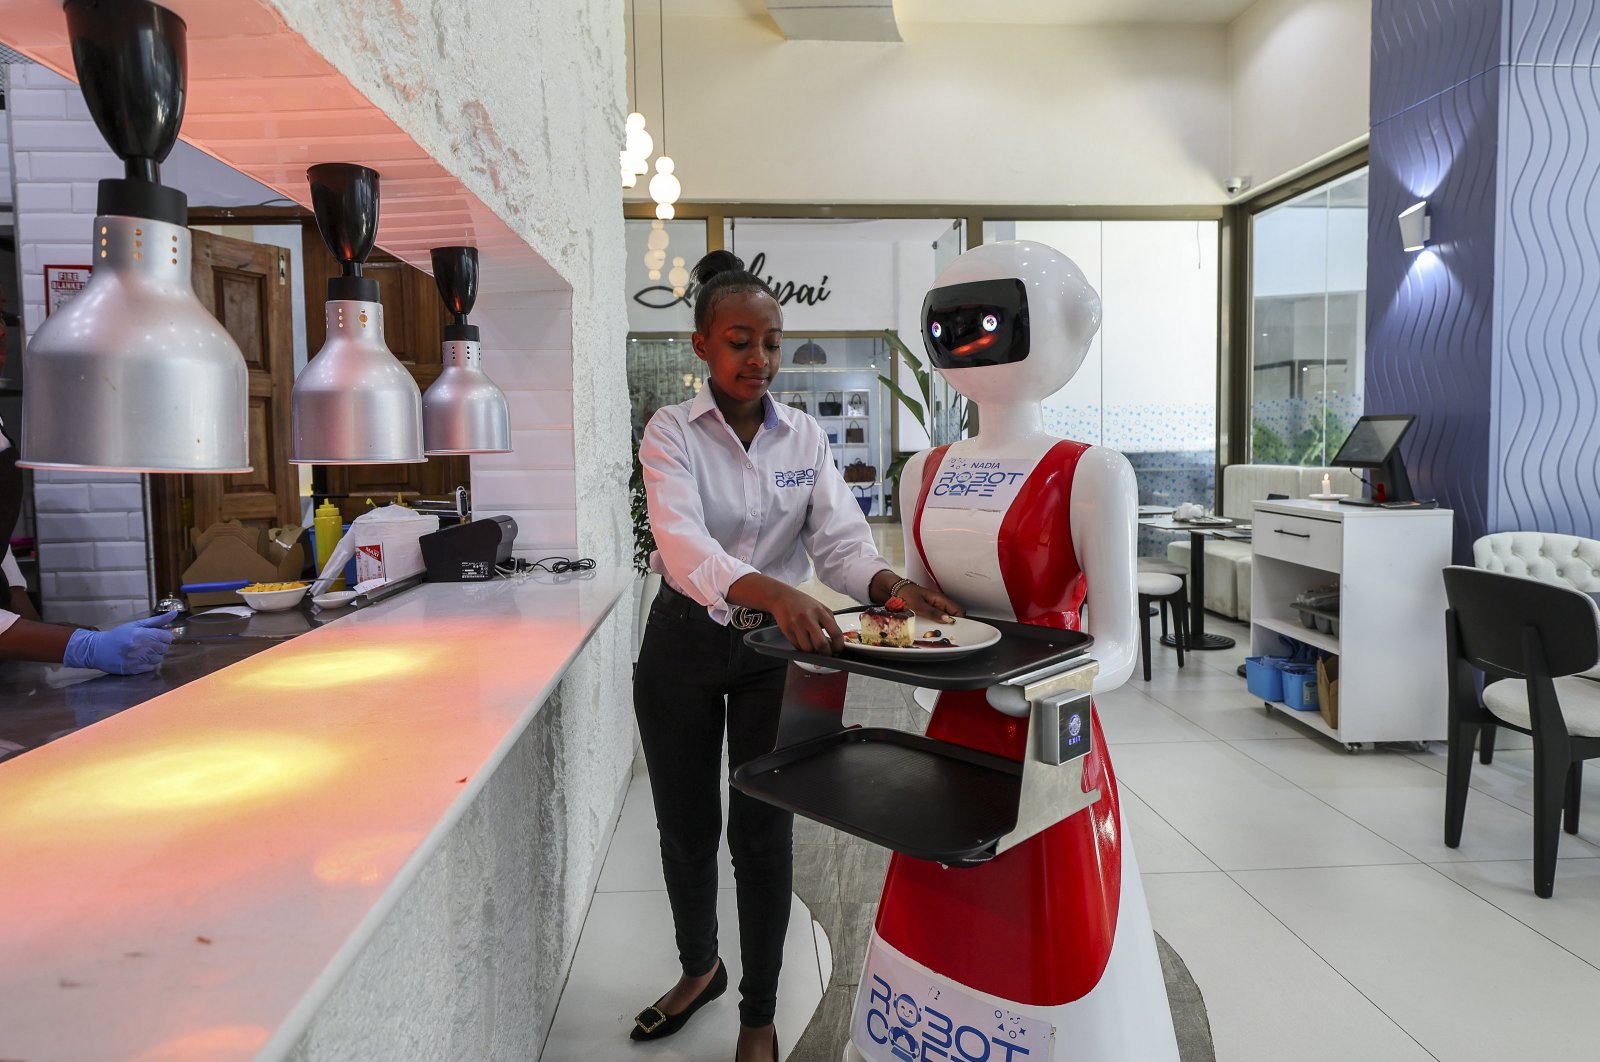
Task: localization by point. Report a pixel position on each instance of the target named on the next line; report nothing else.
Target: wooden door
(413, 316)
(246, 287)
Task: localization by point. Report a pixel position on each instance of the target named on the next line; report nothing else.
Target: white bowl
(274, 600)
(334, 599)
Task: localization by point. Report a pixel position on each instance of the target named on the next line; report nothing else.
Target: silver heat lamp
(134, 375)
(463, 412)
(354, 403)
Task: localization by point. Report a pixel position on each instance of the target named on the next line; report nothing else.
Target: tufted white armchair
(1566, 560)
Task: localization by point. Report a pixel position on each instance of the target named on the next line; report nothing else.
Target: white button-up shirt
(720, 512)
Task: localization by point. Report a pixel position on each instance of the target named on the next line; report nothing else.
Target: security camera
(1235, 185)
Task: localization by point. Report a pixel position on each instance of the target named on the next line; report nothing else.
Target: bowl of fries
(273, 597)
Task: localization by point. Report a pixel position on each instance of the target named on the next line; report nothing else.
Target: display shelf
(1293, 629)
(1391, 651)
(1312, 718)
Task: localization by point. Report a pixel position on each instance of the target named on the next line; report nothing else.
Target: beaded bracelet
(894, 591)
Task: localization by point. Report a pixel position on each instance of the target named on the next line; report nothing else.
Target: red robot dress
(1046, 951)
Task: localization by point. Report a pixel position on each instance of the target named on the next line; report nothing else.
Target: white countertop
(1333, 510)
(187, 879)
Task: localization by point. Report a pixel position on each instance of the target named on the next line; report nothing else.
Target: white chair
(1161, 588)
(1565, 560)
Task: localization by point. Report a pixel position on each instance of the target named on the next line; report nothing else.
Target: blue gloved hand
(131, 649)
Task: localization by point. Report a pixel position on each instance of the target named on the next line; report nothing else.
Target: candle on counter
(1327, 484)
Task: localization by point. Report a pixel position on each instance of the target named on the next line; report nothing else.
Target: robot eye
(936, 330)
(990, 322)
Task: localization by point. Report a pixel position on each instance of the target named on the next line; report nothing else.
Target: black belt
(739, 617)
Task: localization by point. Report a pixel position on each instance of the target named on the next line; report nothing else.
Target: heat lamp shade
(133, 374)
(354, 404)
(463, 412)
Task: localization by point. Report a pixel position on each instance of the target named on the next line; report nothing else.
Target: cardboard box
(1328, 689)
(229, 551)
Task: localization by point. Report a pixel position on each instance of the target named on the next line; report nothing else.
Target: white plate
(969, 636)
(335, 599)
(1328, 497)
(273, 600)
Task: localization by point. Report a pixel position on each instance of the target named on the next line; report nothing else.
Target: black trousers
(694, 680)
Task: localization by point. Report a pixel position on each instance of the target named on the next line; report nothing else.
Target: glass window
(1308, 323)
(1149, 382)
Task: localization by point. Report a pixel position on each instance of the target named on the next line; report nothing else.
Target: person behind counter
(741, 490)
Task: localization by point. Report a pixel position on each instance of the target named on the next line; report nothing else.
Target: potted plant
(920, 406)
(643, 543)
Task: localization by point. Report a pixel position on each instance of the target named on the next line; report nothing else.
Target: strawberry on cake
(890, 623)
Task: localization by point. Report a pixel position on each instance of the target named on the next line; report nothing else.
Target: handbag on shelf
(859, 471)
(830, 406)
(795, 400)
(858, 404)
(855, 432)
(833, 438)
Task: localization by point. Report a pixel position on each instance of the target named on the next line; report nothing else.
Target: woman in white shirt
(742, 490)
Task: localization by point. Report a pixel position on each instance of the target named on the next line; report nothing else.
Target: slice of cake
(890, 623)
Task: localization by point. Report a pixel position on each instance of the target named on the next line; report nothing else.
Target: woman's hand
(930, 604)
(806, 622)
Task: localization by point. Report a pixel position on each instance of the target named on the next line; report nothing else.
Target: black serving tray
(929, 799)
(1022, 648)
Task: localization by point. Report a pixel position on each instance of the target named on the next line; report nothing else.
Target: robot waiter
(1046, 951)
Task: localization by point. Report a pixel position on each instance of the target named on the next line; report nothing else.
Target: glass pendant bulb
(665, 186)
(640, 145)
(665, 212)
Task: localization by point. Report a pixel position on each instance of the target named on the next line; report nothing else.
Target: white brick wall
(92, 553)
(527, 350)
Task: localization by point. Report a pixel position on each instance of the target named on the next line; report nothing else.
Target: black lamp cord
(553, 565)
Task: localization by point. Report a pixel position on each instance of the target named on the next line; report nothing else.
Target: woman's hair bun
(717, 262)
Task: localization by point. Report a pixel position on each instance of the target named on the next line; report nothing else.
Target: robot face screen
(983, 322)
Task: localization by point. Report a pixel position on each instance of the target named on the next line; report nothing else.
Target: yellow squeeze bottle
(330, 529)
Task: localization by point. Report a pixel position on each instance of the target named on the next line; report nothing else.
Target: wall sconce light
(1416, 227)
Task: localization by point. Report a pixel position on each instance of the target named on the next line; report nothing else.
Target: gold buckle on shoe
(661, 1019)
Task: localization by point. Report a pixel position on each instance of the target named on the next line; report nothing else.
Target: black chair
(1166, 590)
(1526, 637)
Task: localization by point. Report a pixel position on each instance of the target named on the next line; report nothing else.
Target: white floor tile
(625, 960)
(1160, 848)
(1268, 996)
(1571, 918)
(1509, 779)
(1467, 980)
(1230, 713)
(1239, 814)
(1403, 802)
(1128, 716)
(633, 862)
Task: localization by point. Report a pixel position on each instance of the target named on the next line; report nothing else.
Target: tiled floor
(1307, 889)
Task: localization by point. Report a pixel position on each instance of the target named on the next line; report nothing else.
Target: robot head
(906, 1009)
(1010, 322)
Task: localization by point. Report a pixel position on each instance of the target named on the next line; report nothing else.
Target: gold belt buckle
(746, 619)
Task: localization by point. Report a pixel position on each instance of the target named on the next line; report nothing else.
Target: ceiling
(1057, 12)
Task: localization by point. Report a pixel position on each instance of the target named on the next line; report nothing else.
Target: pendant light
(133, 375)
(664, 186)
(463, 412)
(638, 144)
(353, 404)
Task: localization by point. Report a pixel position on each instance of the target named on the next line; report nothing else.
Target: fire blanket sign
(61, 283)
(906, 1014)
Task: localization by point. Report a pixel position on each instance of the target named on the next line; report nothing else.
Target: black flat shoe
(775, 1056)
(653, 1023)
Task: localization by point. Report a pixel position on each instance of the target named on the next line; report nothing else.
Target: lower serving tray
(908, 793)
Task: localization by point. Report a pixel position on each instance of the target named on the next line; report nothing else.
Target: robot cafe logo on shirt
(962, 478)
(799, 477)
(915, 1032)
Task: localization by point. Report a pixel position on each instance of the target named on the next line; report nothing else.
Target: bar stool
(1163, 589)
(1165, 567)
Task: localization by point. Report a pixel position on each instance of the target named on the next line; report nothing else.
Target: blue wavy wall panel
(1430, 340)
(1554, 33)
(1546, 432)
(1423, 47)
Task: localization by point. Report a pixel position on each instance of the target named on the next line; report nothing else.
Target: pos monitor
(1375, 443)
